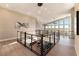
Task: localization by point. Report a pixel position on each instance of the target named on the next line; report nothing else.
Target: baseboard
(13, 38)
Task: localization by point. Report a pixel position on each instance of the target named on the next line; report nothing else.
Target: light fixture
(7, 5)
(45, 9)
(39, 12)
(39, 4)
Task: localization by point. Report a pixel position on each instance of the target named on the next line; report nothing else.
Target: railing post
(58, 35)
(49, 38)
(17, 35)
(54, 38)
(20, 36)
(25, 39)
(42, 45)
(31, 42)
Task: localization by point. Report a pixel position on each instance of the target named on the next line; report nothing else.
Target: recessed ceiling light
(7, 5)
(45, 8)
(39, 12)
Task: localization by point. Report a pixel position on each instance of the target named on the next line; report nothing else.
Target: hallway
(65, 47)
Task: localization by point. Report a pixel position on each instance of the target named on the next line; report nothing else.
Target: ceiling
(46, 13)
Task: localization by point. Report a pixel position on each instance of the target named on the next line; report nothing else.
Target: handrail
(36, 34)
(41, 40)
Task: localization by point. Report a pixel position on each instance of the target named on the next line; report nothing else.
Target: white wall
(76, 36)
(8, 20)
(39, 25)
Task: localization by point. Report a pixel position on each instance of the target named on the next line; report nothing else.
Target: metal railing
(38, 43)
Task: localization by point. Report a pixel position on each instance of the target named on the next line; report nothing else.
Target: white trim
(9, 44)
(8, 39)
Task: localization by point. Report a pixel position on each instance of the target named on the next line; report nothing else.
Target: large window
(63, 23)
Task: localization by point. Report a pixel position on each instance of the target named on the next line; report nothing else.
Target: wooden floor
(15, 49)
(65, 47)
(2, 43)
